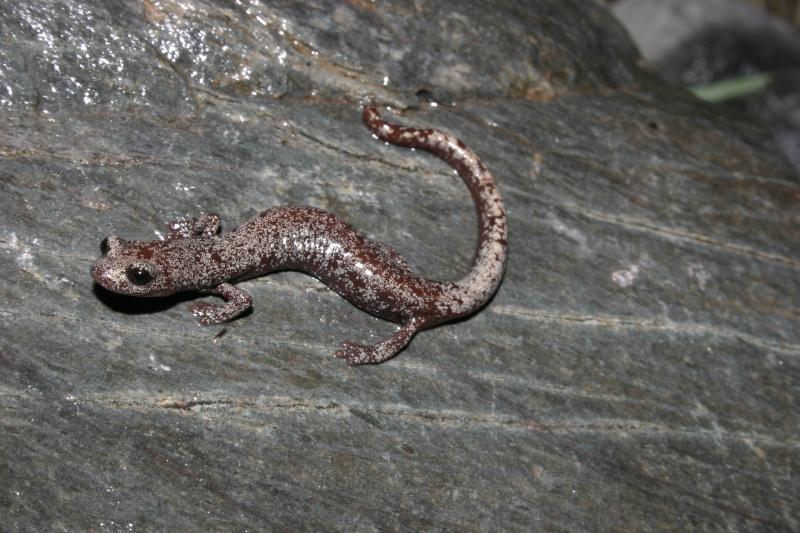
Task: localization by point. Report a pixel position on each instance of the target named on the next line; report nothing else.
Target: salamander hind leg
(237, 302)
(360, 354)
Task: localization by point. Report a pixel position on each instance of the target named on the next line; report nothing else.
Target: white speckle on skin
(626, 277)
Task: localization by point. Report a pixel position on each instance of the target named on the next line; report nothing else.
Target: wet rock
(636, 368)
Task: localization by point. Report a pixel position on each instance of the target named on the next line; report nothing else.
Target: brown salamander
(196, 255)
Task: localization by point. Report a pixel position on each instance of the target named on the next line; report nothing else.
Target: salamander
(197, 256)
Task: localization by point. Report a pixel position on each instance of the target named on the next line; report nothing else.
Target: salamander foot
(360, 354)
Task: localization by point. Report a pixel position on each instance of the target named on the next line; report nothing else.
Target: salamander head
(134, 268)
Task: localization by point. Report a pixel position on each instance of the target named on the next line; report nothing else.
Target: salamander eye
(104, 248)
(139, 274)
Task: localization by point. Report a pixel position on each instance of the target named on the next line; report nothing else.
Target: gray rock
(637, 370)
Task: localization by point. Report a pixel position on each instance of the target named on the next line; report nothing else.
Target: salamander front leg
(206, 225)
(237, 302)
(359, 354)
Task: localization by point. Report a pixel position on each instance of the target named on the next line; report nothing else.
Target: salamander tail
(479, 285)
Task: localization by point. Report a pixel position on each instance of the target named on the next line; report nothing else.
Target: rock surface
(637, 370)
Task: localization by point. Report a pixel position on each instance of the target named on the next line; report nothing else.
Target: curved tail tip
(369, 112)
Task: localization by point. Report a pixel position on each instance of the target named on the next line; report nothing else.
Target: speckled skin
(196, 256)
